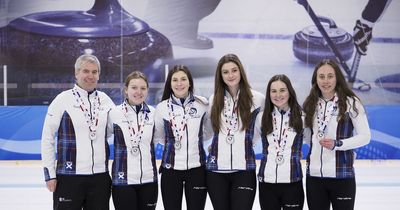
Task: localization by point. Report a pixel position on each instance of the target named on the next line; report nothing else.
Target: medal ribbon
(91, 116)
(280, 139)
(230, 115)
(324, 116)
(135, 136)
(178, 127)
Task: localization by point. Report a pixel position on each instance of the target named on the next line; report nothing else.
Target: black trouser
(287, 196)
(90, 192)
(321, 192)
(135, 197)
(231, 191)
(194, 182)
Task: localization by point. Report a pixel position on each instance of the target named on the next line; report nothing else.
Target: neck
(284, 108)
(89, 90)
(182, 97)
(233, 91)
(328, 96)
(133, 104)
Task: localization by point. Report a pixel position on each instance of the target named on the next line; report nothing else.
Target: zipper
(187, 139)
(140, 151)
(91, 142)
(141, 166)
(280, 139)
(231, 158)
(322, 148)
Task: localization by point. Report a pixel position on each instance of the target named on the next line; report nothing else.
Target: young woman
(134, 172)
(339, 125)
(180, 120)
(281, 128)
(231, 179)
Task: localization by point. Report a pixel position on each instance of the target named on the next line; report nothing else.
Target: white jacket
(290, 170)
(239, 155)
(127, 167)
(353, 132)
(191, 154)
(66, 124)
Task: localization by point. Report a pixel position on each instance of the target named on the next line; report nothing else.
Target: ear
(126, 92)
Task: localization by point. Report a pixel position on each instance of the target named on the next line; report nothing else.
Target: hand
(362, 34)
(327, 143)
(51, 185)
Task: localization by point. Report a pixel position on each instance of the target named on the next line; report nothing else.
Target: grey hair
(86, 58)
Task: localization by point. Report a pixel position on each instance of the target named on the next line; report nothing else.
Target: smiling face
(279, 94)
(87, 76)
(231, 76)
(326, 80)
(136, 91)
(180, 84)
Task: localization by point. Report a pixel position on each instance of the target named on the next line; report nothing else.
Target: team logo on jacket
(193, 112)
(121, 175)
(68, 165)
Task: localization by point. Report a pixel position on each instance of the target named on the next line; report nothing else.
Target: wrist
(338, 143)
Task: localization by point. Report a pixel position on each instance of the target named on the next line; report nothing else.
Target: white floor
(22, 186)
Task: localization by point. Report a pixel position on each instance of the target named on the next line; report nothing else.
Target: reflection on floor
(22, 186)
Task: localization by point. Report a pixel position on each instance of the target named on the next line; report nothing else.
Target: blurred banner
(40, 40)
(21, 128)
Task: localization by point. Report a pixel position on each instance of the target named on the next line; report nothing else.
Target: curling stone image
(310, 46)
(42, 48)
(179, 20)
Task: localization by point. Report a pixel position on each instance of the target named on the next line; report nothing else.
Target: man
(77, 120)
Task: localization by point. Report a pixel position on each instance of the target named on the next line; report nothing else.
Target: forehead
(229, 65)
(326, 69)
(179, 74)
(278, 85)
(89, 66)
(137, 81)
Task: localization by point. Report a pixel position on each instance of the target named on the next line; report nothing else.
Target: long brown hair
(295, 120)
(245, 100)
(167, 86)
(341, 88)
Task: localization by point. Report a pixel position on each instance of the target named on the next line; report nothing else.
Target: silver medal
(279, 160)
(135, 151)
(177, 145)
(320, 135)
(92, 135)
(230, 139)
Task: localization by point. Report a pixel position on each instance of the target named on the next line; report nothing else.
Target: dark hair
(295, 120)
(167, 86)
(245, 100)
(341, 88)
